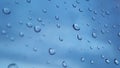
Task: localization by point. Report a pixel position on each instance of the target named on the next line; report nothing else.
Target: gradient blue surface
(29, 28)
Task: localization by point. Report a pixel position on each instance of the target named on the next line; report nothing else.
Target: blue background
(31, 51)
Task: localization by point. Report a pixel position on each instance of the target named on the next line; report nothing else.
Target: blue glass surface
(59, 33)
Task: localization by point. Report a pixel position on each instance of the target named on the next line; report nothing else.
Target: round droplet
(94, 35)
(8, 25)
(44, 10)
(91, 61)
(118, 34)
(4, 32)
(51, 51)
(6, 11)
(107, 12)
(116, 61)
(39, 20)
(12, 39)
(57, 17)
(37, 29)
(76, 27)
(28, 1)
(58, 25)
(79, 37)
(21, 34)
(80, 10)
(74, 5)
(102, 56)
(13, 65)
(107, 61)
(64, 64)
(29, 25)
(82, 59)
(35, 49)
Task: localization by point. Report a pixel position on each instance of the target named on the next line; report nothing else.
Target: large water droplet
(6, 11)
(37, 29)
(76, 27)
(116, 61)
(64, 64)
(51, 51)
(13, 65)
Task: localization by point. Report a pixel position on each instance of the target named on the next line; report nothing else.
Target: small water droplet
(39, 19)
(29, 25)
(79, 37)
(78, 1)
(60, 39)
(76, 27)
(107, 61)
(35, 49)
(58, 25)
(74, 5)
(37, 29)
(57, 6)
(64, 64)
(57, 17)
(82, 59)
(6, 11)
(102, 56)
(28, 1)
(102, 31)
(94, 35)
(8, 25)
(91, 61)
(44, 10)
(21, 34)
(12, 39)
(12, 65)
(51, 51)
(80, 10)
(107, 12)
(116, 61)
(109, 42)
(3, 32)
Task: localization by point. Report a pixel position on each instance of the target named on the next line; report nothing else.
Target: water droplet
(30, 18)
(4, 32)
(8, 25)
(76, 27)
(78, 1)
(44, 10)
(57, 17)
(51, 51)
(12, 65)
(12, 39)
(29, 25)
(57, 6)
(35, 49)
(64, 64)
(60, 39)
(107, 61)
(82, 59)
(79, 37)
(118, 34)
(95, 12)
(21, 34)
(94, 35)
(6, 11)
(102, 31)
(28, 1)
(107, 12)
(58, 25)
(80, 10)
(39, 19)
(89, 9)
(119, 48)
(91, 61)
(37, 29)
(116, 61)
(93, 18)
(109, 42)
(74, 5)
(102, 56)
